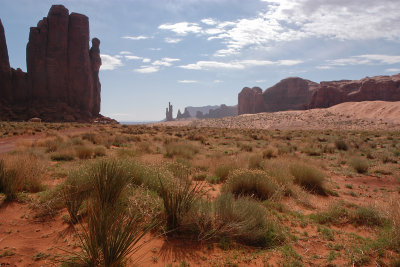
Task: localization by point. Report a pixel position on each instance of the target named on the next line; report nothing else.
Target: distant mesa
(184, 115)
(62, 79)
(297, 94)
(219, 112)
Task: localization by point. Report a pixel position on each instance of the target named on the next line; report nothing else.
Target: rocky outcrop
(220, 112)
(289, 94)
(168, 112)
(250, 101)
(296, 94)
(385, 88)
(62, 82)
(183, 115)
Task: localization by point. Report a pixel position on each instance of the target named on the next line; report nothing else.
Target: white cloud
(237, 64)
(146, 60)
(135, 38)
(372, 59)
(260, 81)
(110, 62)
(155, 49)
(209, 21)
(187, 81)
(181, 28)
(290, 20)
(131, 57)
(172, 40)
(125, 53)
(166, 62)
(218, 81)
(147, 69)
(393, 70)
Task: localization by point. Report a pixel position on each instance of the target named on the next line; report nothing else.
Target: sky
(203, 52)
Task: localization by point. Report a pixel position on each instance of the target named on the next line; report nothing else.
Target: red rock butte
(62, 78)
(296, 94)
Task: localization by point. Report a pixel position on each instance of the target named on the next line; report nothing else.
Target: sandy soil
(371, 115)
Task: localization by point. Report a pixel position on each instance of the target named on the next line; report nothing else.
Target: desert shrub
(120, 141)
(368, 216)
(144, 147)
(270, 152)
(185, 150)
(336, 214)
(62, 156)
(8, 183)
(52, 144)
(199, 177)
(99, 151)
(213, 179)
(279, 170)
(341, 145)
(28, 170)
(92, 137)
(359, 164)
(113, 232)
(74, 191)
(394, 217)
(84, 152)
(245, 147)
(222, 171)
(308, 177)
(255, 161)
(178, 196)
(253, 183)
(245, 221)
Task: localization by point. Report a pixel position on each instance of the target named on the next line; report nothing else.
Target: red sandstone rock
(96, 63)
(57, 53)
(61, 83)
(5, 74)
(250, 101)
(385, 88)
(289, 94)
(79, 67)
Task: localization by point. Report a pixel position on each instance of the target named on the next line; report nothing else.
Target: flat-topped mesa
(62, 80)
(385, 88)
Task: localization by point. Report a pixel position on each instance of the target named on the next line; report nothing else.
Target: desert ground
(294, 188)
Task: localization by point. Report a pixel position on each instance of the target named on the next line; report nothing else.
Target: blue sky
(203, 52)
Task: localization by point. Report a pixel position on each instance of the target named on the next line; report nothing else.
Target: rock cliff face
(296, 94)
(220, 112)
(250, 101)
(289, 94)
(168, 112)
(61, 83)
(385, 88)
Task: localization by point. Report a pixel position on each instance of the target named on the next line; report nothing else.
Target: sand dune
(368, 115)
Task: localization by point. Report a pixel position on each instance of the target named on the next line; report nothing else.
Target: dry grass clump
(270, 152)
(253, 183)
(21, 172)
(112, 232)
(341, 145)
(255, 161)
(84, 152)
(308, 177)
(64, 155)
(359, 164)
(222, 171)
(181, 149)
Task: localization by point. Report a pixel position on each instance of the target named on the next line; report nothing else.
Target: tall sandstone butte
(62, 79)
(295, 94)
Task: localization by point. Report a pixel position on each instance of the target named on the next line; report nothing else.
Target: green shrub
(368, 216)
(336, 214)
(245, 221)
(99, 152)
(308, 177)
(360, 165)
(222, 171)
(178, 197)
(199, 177)
(253, 183)
(270, 152)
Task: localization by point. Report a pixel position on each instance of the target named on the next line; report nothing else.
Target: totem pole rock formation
(62, 79)
(168, 113)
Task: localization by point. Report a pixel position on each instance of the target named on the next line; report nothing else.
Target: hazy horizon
(203, 52)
